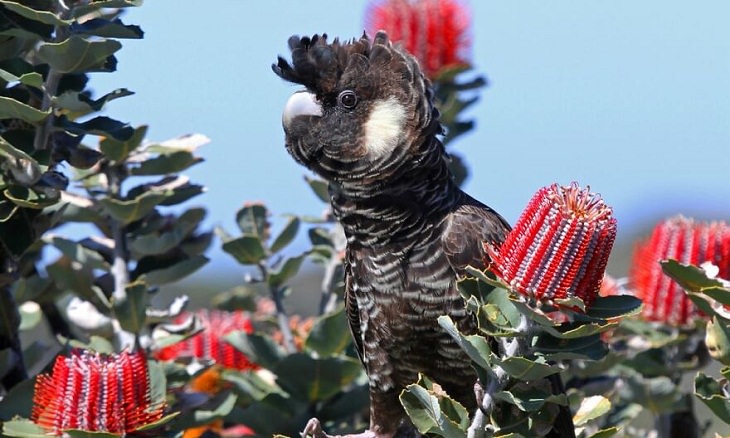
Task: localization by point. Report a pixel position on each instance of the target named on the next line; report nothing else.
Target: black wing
(352, 312)
(465, 231)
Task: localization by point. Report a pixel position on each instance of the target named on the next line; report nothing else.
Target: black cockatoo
(367, 124)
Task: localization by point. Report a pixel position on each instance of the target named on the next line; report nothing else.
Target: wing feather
(465, 230)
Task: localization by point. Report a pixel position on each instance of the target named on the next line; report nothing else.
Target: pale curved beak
(301, 103)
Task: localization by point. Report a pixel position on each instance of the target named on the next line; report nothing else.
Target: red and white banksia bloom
(559, 247)
(434, 31)
(209, 343)
(96, 392)
(689, 242)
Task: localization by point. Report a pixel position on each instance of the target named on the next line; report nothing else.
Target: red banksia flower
(96, 392)
(688, 242)
(434, 31)
(559, 246)
(209, 344)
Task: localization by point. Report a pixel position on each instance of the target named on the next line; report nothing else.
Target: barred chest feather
(400, 290)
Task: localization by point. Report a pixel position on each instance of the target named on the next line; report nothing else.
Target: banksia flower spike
(434, 31)
(209, 344)
(96, 392)
(559, 246)
(688, 242)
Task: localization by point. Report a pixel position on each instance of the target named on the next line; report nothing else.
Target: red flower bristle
(97, 393)
(434, 31)
(688, 242)
(559, 246)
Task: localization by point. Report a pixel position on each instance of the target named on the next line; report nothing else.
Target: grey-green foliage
(61, 163)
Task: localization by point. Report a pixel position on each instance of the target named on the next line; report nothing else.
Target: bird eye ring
(348, 99)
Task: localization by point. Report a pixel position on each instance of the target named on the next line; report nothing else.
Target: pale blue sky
(631, 98)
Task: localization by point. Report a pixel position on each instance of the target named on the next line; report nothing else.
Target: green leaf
(311, 380)
(614, 306)
(102, 126)
(225, 407)
(108, 29)
(154, 243)
(177, 271)
(23, 428)
(320, 188)
(18, 401)
(531, 397)
(580, 330)
(127, 211)
(159, 423)
(173, 162)
(657, 394)
(719, 294)
(426, 410)
(70, 276)
(119, 150)
(158, 382)
(287, 235)
(80, 103)
(29, 198)
(24, 168)
(96, 343)
(591, 408)
(712, 394)
(131, 312)
(259, 348)
(30, 78)
(14, 109)
(96, 5)
(717, 340)
(330, 334)
(75, 251)
(239, 297)
(689, 277)
(77, 433)
(252, 384)
(525, 369)
(588, 347)
(253, 221)
(607, 432)
(247, 250)
(44, 17)
(77, 54)
(289, 269)
(475, 346)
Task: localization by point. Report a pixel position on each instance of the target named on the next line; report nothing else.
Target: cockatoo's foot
(314, 429)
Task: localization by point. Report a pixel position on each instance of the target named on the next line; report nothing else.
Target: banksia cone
(96, 392)
(688, 242)
(434, 31)
(209, 344)
(559, 246)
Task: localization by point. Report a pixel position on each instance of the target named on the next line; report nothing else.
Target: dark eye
(348, 99)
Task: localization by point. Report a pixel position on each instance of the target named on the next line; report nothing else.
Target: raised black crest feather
(318, 64)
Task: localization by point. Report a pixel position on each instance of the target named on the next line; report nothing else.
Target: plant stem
(50, 85)
(10, 339)
(281, 315)
(516, 346)
(328, 301)
(120, 265)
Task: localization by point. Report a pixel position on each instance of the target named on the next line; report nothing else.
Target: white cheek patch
(384, 128)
